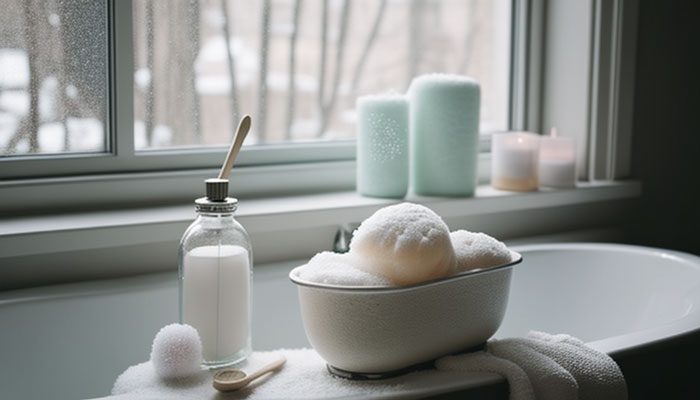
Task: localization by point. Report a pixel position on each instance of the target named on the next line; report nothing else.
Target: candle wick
(553, 132)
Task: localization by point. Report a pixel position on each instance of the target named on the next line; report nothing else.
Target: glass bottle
(215, 274)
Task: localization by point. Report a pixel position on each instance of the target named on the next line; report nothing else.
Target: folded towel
(480, 361)
(549, 380)
(557, 367)
(597, 375)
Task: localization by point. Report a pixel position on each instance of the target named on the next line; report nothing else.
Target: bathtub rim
(633, 341)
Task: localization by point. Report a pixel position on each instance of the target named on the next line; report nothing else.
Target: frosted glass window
(297, 66)
(53, 76)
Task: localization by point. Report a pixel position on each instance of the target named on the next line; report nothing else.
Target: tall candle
(382, 146)
(444, 134)
(557, 165)
(514, 163)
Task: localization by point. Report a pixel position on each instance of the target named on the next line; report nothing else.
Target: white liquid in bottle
(216, 298)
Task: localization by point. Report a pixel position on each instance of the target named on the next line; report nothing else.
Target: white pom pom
(176, 351)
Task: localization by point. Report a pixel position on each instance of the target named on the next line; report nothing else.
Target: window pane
(298, 66)
(53, 76)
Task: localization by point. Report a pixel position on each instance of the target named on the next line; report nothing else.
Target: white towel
(304, 376)
(480, 361)
(541, 366)
(549, 380)
(597, 374)
(557, 367)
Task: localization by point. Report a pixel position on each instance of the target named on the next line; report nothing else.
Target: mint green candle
(382, 146)
(444, 135)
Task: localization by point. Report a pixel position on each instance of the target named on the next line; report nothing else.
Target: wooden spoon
(241, 133)
(230, 379)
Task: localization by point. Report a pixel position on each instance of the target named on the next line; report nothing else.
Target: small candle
(514, 161)
(382, 146)
(557, 168)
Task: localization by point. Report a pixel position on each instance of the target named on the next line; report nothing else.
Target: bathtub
(638, 304)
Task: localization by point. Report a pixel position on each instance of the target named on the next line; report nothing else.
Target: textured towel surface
(557, 367)
(304, 376)
(549, 380)
(520, 387)
(597, 375)
(541, 366)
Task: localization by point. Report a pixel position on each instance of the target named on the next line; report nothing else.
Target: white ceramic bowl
(379, 330)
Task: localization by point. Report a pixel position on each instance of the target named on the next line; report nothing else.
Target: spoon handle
(241, 132)
(268, 368)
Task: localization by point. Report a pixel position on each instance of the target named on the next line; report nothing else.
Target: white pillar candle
(514, 161)
(557, 167)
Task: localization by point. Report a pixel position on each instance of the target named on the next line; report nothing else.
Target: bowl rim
(516, 258)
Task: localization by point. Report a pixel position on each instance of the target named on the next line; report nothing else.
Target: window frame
(121, 156)
(87, 180)
(76, 181)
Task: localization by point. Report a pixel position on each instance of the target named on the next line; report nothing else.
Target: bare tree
(150, 90)
(171, 76)
(473, 28)
(264, 49)
(322, 63)
(291, 90)
(64, 104)
(371, 39)
(31, 36)
(329, 106)
(415, 41)
(233, 93)
(194, 12)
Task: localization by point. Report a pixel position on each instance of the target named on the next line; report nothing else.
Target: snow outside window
(53, 76)
(297, 66)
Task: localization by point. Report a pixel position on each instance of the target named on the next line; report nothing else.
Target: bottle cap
(217, 189)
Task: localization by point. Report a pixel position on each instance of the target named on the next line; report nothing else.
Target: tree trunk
(264, 48)
(291, 90)
(329, 106)
(233, 91)
(371, 39)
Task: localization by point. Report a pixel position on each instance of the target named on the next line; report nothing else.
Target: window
(53, 77)
(155, 86)
(298, 66)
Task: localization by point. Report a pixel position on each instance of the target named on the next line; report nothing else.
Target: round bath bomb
(476, 250)
(337, 269)
(176, 352)
(405, 243)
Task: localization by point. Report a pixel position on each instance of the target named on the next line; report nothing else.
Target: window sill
(98, 244)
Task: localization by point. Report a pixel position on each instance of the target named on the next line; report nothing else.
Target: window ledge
(99, 229)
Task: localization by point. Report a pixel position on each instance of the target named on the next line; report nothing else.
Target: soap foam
(475, 250)
(337, 269)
